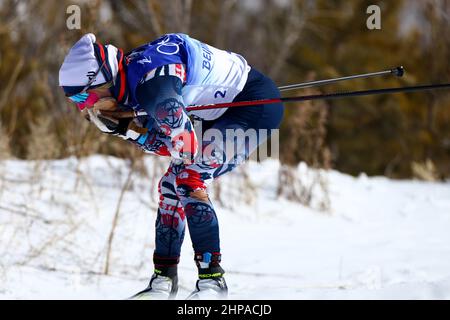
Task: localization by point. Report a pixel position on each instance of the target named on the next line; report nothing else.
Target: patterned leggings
(179, 202)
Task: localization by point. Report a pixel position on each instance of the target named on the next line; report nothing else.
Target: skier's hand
(124, 128)
(104, 124)
(127, 129)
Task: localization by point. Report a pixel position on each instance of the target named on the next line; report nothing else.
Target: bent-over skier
(162, 78)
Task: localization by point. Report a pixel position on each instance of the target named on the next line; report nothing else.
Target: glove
(103, 123)
(124, 128)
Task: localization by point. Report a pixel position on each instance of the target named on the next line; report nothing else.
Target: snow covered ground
(382, 239)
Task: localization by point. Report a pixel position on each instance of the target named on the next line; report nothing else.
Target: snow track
(382, 239)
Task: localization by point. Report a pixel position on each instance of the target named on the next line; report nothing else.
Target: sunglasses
(82, 96)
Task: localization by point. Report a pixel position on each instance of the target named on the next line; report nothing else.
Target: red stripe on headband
(122, 77)
(102, 51)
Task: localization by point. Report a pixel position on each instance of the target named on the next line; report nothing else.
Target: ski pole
(398, 71)
(325, 96)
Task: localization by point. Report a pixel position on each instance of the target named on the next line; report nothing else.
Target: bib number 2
(220, 93)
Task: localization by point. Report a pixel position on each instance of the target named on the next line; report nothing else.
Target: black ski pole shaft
(398, 71)
(325, 96)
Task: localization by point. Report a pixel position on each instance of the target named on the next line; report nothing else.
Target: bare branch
(115, 220)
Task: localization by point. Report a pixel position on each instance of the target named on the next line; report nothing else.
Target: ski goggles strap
(79, 97)
(87, 102)
(84, 95)
(84, 99)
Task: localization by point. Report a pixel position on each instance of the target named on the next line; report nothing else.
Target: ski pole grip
(399, 71)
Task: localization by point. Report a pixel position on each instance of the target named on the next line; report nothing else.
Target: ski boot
(211, 284)
(163, 285)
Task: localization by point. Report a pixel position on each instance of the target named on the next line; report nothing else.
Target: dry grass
(5, 147)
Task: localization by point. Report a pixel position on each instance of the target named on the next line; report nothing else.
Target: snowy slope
(383, 239)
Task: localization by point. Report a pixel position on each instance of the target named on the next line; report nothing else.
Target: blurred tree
(285, 39)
